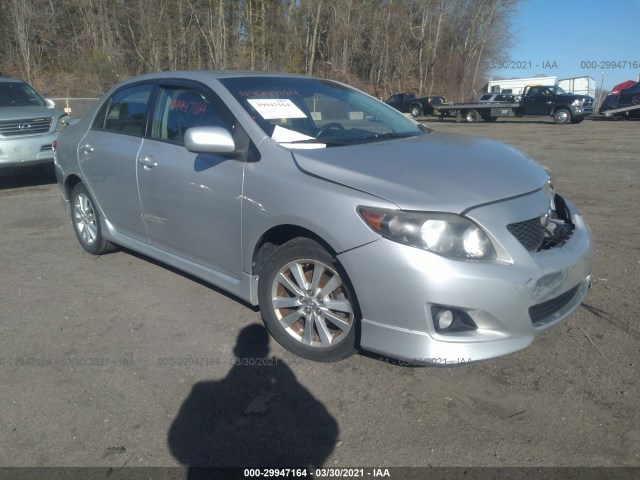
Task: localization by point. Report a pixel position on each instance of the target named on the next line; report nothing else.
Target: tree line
(82, 47)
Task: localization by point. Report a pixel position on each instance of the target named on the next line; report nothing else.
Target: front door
(191, 202)
(539, 101)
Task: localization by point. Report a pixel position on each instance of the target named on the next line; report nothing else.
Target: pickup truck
(409, 103)
(537, 100)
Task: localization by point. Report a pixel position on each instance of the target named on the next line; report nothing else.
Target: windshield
(18, 94)
(311, 113)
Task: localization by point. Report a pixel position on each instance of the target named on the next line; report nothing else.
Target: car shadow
(27, 176)
(259, 415)
(188, 276)
(617, 118)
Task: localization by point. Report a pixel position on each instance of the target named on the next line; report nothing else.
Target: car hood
(17, 113)
(432, 172)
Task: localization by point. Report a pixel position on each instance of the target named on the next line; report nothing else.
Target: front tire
(86, 222)
(561, 116)
(307, 303)
(635, 100)
(577, 120)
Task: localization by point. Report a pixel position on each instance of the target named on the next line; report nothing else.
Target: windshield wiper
(317, 140)
(340, 142)
(383, 136)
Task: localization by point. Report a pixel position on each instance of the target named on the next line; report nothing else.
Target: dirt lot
(99, 355)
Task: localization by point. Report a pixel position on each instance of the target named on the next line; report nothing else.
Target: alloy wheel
(310, 302)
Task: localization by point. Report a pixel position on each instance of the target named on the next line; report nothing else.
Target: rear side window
(179, 108)
(125, 111)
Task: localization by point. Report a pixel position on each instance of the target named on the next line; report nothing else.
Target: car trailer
(612, 113)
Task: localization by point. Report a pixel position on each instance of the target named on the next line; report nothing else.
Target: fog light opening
(451, 320)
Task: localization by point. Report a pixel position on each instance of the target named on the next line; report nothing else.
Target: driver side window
(180, 108)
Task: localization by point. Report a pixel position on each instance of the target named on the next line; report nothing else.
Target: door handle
(147, 162)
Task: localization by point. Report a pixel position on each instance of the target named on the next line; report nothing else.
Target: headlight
(442, 233)
(577, 102)
(63, 121)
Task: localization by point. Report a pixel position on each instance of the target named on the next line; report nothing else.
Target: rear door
(108, 153)
(191, 202)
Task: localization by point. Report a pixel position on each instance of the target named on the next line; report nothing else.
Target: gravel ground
(104, 360)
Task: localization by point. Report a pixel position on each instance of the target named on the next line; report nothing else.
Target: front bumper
(510, 300)
(582, 111)
(16, 151)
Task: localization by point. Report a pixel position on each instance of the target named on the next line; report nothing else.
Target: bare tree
(432, 46)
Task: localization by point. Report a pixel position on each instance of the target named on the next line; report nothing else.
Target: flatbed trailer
(472, 112)
(536, 100)
(612, 113)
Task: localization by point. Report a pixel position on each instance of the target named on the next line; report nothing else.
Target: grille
(529, 233)
(587, 102)
(541, 312)
(27, 126)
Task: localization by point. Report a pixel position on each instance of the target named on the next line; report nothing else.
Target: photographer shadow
(258, 416)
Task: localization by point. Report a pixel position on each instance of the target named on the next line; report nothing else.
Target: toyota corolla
(349, 224)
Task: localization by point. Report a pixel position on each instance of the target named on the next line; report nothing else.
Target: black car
(630, 96)
(610, 102)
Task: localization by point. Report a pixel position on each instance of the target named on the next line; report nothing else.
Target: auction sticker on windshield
(276, 108)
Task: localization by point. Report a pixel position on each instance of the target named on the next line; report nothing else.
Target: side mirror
(209, 140)
(50, 103)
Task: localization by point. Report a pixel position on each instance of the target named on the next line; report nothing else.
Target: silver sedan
(349, 224)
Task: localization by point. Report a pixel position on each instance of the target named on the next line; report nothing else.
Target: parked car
(622, 96)
(497, 98)
(417, 107)
(349, 224)
(28, 124)
(630, 95)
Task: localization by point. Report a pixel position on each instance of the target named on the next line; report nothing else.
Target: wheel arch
(69, 183)
(279, 235)
(561, 107)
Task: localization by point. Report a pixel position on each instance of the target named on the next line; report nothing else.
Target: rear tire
(490, 119)
(307, 302)
(416, 111)
(561, 116)
(635, 100)
(472, 116)
(86, 222)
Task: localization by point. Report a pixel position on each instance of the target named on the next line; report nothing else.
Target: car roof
(213, 74)
(10, 80)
